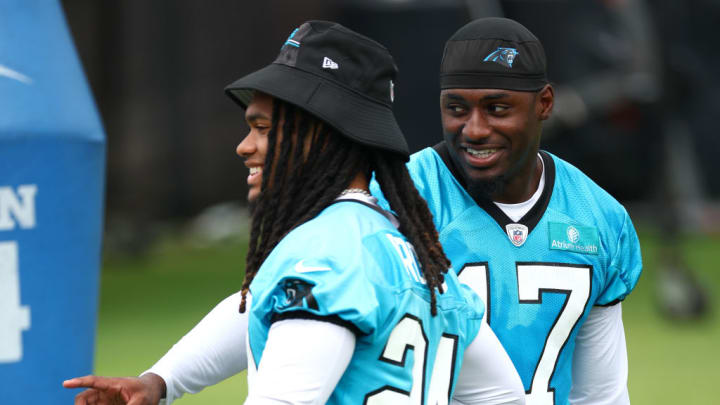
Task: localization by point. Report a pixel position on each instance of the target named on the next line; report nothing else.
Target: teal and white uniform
(540, 276)
(351, 267)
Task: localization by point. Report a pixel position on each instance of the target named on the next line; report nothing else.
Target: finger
(96, 397)
(71, 383)
(81, 400)
(78, 382)
(88, 397)
(91, 381)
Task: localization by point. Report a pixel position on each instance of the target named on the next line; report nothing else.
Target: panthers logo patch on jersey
(298, 293)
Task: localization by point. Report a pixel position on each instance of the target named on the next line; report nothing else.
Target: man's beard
(478, 189)
(486, 189)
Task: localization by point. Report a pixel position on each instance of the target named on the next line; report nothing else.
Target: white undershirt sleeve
(600, 368)
(487, 375)
(302, 363)
(211, 352)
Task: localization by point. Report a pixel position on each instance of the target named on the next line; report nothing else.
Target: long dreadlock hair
(295, 188)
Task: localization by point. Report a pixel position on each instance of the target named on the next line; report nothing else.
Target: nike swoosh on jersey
(301, 268)
(9, 73)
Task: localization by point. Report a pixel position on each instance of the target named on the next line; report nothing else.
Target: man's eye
(497, 108)
(456, 108)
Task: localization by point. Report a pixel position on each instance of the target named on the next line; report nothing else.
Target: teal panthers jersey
(574, 249)
(350, 266)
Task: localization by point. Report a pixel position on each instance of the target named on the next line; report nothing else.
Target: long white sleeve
(600, 368)
(487, 375)
(211, 352)
(301, 364)
(309, 357)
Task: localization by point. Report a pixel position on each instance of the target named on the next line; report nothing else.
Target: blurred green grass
(147, 304)
(674, 362)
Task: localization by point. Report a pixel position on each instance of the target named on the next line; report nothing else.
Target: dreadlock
(295, 188)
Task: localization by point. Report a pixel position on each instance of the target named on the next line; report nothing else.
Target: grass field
(147, 304)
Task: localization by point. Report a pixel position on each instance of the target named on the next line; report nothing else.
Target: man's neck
(360, 181)
(523, 184)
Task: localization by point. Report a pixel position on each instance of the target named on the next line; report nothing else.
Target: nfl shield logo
(517, 233)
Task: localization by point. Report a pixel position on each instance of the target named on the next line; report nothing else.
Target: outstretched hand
(145, 390)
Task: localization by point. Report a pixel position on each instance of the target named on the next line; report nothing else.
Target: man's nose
(477, 127)
(246, 147)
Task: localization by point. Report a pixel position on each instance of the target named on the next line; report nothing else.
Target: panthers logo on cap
(503, 56)
(290, 41)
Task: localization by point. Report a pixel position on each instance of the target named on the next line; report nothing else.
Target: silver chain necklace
(355, 190)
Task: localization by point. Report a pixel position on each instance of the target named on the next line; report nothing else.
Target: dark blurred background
(635, 84)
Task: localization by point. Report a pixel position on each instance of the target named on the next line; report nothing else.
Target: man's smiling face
(493, 137)
(253, 148)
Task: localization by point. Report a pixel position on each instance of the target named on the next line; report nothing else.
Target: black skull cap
(493, 53)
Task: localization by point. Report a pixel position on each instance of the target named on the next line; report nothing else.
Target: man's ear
(544, 102)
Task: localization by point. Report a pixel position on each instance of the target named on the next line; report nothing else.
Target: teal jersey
(350, 266)
(539, 277)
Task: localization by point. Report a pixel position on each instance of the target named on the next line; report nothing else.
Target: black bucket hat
(339, 76)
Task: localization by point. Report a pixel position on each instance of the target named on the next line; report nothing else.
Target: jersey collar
(370, 202)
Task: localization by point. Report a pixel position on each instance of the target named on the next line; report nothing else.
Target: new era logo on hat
(329, 64)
